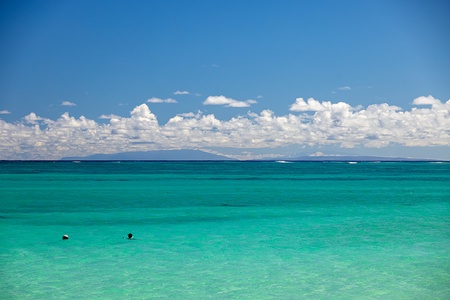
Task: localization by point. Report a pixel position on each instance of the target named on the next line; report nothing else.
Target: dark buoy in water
(130, 236)
(65, 237)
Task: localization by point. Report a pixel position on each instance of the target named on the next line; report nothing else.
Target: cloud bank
(311, 123)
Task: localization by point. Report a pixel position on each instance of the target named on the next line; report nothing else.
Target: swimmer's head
(65, 237)
(130, 236)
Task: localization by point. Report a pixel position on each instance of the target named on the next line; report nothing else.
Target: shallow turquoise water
(224, 230)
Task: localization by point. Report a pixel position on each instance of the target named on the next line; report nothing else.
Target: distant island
(157, 155)
(198, 155)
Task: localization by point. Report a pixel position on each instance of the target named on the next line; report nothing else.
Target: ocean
(224, 230)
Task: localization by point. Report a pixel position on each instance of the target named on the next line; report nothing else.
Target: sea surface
(224, 230)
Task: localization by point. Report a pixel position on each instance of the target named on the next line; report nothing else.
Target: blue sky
(214, 67)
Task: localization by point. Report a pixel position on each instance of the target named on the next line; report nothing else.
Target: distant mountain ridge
(154, 155)
(198, 155)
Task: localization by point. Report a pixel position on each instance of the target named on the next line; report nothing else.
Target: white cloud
(4, 112)
(181, 93)
(159, 100)
(313, 105)
(218, 100)
(228, 102)
(108, 117)
(32, 118)
(68, 103)
(318, 153)
(326, 124)
(429, 100)
(344, 88)
(191, 114)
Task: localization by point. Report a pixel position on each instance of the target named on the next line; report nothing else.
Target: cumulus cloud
(228, 102)
(68, 103)
(313, 105)
(4, 112)
(159, 100)
(108, 117)
(429, 100)
(191, 114)
(344, 88)
(181, 93)
(32, 118)
(311, 123)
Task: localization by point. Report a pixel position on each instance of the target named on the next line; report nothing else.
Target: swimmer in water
(130, 236)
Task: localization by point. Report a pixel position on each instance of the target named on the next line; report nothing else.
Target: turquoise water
(224, 230)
